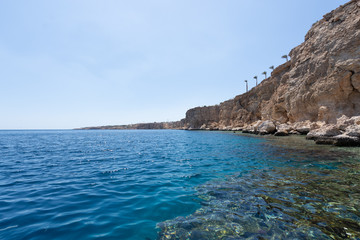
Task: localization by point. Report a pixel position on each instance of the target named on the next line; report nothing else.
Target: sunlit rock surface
(321, 82)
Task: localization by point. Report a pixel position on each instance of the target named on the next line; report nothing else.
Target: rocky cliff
(321, 82)
(316, 93)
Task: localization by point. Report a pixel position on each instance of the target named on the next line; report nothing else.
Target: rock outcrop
(319, 84)
(346, 132)
(316, 93)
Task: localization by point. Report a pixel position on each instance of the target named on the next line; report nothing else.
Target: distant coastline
(315, 92)
(154, 125)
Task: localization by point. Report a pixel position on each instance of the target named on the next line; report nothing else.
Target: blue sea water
(108, 184)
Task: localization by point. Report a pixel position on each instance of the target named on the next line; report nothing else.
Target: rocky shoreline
(316, 93)
(346, 131)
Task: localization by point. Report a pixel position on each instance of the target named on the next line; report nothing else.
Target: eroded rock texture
(321, 82)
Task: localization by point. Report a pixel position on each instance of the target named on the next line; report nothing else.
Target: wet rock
(346, 132)
(353, 131)
(225, 128)
(302, 127)
(260, 127)
(255, 126)
(199, 235)
(294, 132)
(346, 140)
(196, 222)
(325, 140)
(237, 228)
(342, 140)
(281, 133)
(326, 131)
(245, 130)
(287, 203)
(252, 128)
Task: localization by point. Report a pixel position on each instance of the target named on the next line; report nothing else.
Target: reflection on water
(317, 197)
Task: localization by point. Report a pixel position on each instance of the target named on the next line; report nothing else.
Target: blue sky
(67, 64)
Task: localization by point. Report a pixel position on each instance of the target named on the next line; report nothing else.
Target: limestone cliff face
(321, 82)
(196, 117)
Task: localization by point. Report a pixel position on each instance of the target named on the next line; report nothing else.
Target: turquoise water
(135, 184)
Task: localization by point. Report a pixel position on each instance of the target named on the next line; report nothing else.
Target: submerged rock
(283, 203)
(325, 140)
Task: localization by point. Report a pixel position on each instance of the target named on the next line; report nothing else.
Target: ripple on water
(119, 184)
(279, 203)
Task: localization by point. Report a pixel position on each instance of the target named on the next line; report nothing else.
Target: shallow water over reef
(191, 184)
(314, 194)
(110, 184)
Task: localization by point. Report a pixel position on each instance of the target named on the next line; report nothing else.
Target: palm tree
(246, 86)
(272, 67)
(285, 56)
(264, 74)
(256, 79)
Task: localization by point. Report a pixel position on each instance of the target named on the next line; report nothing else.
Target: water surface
(122, 184)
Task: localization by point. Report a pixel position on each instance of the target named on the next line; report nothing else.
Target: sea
(175, 184)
